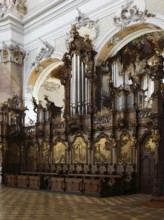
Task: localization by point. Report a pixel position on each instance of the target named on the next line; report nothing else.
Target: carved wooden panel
(59, 152)
(102, 151)
(79, 152)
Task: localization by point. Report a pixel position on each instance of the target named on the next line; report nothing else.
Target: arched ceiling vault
(44, 74)
(38, 71)
(121, 38)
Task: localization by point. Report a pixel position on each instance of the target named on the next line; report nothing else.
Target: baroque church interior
(82, 96)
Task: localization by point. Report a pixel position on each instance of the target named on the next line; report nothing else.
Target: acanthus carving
(11, 53)
(130, 13)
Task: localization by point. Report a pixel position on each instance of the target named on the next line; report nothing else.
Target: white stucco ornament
(9, 6)
(131, 11)
(45, 53)
(86, 27)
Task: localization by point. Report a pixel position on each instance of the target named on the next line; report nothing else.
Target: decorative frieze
(11, 53)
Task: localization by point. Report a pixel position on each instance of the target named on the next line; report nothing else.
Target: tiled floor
(20, 204)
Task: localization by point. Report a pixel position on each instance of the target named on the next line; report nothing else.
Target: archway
(43, 82)
(116, 39)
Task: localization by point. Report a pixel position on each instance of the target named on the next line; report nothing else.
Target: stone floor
(21, 204)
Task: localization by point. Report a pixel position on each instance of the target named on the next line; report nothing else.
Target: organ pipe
(79, 87)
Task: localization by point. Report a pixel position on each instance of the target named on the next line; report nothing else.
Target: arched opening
(117, 39)
(44, 82)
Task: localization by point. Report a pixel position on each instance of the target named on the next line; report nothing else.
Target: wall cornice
(55, 22)
(41, 9)
(47, 12)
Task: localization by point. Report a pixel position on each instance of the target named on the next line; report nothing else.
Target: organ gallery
(106, 138)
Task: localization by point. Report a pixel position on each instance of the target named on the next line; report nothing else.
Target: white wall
(32, 4)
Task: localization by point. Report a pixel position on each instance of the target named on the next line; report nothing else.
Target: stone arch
(43, 78)
(37, 75)
(116, 38)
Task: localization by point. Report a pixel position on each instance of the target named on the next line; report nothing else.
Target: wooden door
(147, 172)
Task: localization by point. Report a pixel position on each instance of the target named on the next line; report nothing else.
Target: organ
(111, 115)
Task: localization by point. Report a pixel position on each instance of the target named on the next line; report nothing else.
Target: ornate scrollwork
(44, 53)
(83, 46)
(85, 26)
(130, 13)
